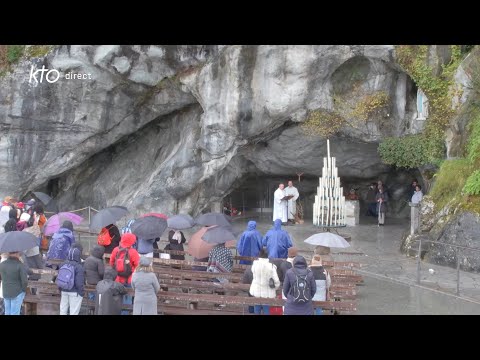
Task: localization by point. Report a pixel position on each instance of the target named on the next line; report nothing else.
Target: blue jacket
(250, 242)
(60, 244)
(145, 246)
(74, 257)
(277, 241)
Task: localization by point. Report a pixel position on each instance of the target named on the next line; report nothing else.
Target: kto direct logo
(53, 75)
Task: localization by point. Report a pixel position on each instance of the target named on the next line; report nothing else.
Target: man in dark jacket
(299, 269)
(94, 266)
(72, 299)
(108, 300)
(13, 275)
(11, 224)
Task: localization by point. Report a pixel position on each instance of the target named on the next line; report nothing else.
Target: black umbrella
(218, 235)
(149, 227)
(16, 241)
(44, 198)
(107, 216)
(180, 222)
(213, 219)
(50, 204)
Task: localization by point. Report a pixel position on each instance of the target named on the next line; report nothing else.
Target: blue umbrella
(180, 222)
(149, 227)
(107, 216)
(213, 219)
(16, 241)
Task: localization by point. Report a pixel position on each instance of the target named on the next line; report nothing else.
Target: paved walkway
(390, 277)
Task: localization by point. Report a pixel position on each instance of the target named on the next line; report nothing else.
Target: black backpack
(301, 291)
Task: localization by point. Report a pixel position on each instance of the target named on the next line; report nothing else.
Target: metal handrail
(456, 254)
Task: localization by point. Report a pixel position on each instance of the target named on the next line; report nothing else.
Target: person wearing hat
(19, 205)
(146, 286)
(323, 281)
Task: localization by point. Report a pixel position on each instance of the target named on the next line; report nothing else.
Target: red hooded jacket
(126, 241)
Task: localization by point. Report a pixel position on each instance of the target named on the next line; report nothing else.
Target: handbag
(271, 282)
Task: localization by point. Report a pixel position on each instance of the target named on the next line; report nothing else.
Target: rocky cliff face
(173, 128)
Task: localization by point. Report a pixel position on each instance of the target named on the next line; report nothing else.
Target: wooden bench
(48, 293)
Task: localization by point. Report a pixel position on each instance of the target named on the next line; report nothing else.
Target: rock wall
(174, 128)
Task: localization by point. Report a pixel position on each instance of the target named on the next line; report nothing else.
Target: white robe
(292, 206)
(279, 206)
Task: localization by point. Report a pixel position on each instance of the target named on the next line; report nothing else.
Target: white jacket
(322, 286)
(417, 197)
(263, 270)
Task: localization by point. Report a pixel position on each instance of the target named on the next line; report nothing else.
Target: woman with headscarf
(250, 242)
(176, 240)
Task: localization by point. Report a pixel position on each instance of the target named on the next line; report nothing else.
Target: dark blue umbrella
(149, 227)
(107, 216)
(213, 219)
(218, 235)
(180, 222)
(16, 241)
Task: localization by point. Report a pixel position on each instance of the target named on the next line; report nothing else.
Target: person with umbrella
(114, 234)
(104, 221)
(61, 242)
(176, 239)
(148, 229)
(13, 275)
(250, 242)
(277, 241)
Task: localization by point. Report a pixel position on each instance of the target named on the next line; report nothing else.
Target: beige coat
(263, 270)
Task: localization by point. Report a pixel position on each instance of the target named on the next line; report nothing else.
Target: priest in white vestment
(279, 205)
(291, 205)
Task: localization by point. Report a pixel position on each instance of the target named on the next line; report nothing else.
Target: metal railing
(457, 255)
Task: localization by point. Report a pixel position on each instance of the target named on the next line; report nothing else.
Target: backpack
(122, 263)
(301, 291)
(104, 238)
(66, 277)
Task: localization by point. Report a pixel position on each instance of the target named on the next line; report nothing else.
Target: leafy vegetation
(413, 59)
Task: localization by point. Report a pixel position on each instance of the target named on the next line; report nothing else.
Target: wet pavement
(389, 276)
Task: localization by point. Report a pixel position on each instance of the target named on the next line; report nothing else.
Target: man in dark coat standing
(109, 297)
(299, 269)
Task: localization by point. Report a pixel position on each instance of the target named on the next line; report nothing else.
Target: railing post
(458, 273)
(243, 203)
(418, 259)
